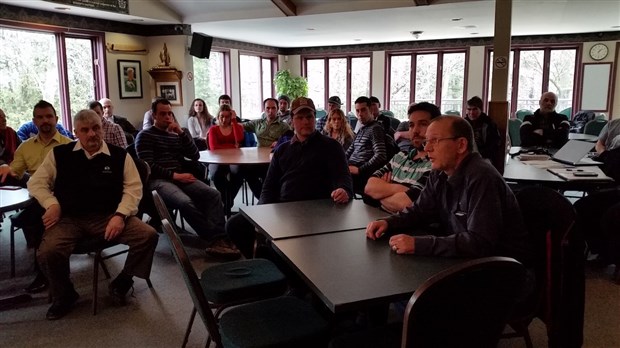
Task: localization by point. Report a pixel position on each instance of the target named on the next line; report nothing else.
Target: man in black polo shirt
(310, 166)
(89, 189)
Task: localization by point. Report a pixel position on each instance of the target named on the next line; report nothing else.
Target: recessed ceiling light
(357, 39)
(310, 29)
(474, 33)
(137, 20)
(615, 26)
(456, 19)
(62, 8)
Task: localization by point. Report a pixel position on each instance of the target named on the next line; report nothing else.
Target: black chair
(466, 305)
(559, 249)
(276, 322)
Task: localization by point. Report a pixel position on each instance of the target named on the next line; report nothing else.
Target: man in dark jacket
(546, 127)
(486, 134)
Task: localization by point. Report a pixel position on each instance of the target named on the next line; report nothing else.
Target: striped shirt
(165, 151)
(367, 152)
(406, 170)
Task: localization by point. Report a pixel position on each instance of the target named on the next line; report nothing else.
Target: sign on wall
(118, 6)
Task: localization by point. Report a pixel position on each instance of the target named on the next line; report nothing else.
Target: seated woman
(199, 122)
(338, 128)
(226, 135)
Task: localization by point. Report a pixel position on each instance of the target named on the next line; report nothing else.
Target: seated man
(28, 157)
(29, 130)
(108, 114)
(545, 127)
(486, 134)
(268, 130)
(475, 209)
(398, 184)
(112, 133)
(367, 153)
(310, 166)
(609, 138)
(89, 188)
(164, 147)
(332, 103)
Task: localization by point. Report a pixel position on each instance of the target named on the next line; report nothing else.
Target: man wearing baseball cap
(309, 166)
(332, 103)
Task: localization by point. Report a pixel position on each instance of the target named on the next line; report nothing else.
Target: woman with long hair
(338, 128)
(226, 135)
(199, 122)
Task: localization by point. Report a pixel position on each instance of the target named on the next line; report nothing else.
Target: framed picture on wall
(170, 90)
(129, 79)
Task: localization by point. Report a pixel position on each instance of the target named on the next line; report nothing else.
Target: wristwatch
(123, 216)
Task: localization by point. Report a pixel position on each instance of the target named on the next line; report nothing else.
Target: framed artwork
(170, 90)
(129, 79)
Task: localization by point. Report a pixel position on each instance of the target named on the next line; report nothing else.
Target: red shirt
(217, 140)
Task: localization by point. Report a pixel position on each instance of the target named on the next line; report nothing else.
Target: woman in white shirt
(198, 122)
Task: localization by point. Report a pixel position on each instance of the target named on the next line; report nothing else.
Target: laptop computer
(573, 153)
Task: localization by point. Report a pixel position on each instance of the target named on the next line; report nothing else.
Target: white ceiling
(343, 22)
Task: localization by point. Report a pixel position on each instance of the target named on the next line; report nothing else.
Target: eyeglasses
(435, 141)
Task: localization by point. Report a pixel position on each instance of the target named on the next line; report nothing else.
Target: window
(210, 79)
(346, 77)
(537, 71)
(256, 80)
(58, 67)
(437, 78)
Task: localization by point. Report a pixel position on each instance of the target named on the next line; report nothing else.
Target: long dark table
(302, 218)
(348, 272)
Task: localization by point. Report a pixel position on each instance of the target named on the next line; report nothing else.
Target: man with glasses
(397, 184)
(466, 208)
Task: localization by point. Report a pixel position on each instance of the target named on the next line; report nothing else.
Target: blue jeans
(200, 205)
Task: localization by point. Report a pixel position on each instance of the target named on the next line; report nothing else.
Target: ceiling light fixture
(474, 33)
(416, 33)
(456, 19)
(62, 8)
(310, 29)
(357, 39)
(137, 20)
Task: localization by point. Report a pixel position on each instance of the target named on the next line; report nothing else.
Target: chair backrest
(522, 113)
(568, 112)
(192, 282)
(320, 113)
(558, 262)
(146, 204)
(387, 113)
(249, 139)
(394, 122)
(594, 127)
(514, 131)
(467, 305)
(452, 112)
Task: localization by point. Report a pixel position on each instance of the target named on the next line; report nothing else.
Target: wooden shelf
(166, 74)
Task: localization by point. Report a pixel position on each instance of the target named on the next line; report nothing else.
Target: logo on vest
(107, 170)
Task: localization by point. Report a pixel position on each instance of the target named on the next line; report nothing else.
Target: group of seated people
(442, 185)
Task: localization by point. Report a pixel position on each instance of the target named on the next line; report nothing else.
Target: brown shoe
(222, 248)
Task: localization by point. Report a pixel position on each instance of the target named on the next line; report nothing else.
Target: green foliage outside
(206, 87)
(291, 86)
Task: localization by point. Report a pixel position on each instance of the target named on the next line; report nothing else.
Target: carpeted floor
(158, 317)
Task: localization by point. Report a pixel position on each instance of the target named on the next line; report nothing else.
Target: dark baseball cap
(302, 103)
(334, 99)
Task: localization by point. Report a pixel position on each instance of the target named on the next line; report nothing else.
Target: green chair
(568, 112)
(277, 322)
(320, 113)
(453, 112)
(387, 113)
(522, 113)
(594, 127)
(514, 131)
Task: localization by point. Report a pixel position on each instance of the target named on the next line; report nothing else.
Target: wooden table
(238, 156)
(243, 155)
(349, 272)
(302, 218)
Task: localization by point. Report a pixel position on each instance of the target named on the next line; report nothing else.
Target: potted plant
(291, 86)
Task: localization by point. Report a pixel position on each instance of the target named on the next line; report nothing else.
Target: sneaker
(62, 306)
(38, 284)
(222, 248)
(119, 288)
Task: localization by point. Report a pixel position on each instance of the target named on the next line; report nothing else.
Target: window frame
(439, 76)
(99, 63)
(274, 68)
(546, 48)
(348, 56)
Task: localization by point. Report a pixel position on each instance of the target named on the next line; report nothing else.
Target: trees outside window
(60, 68)
(210, 79)
(256, 75)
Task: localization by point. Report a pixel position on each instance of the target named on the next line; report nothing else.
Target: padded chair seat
(278, 322)
(242, 280)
